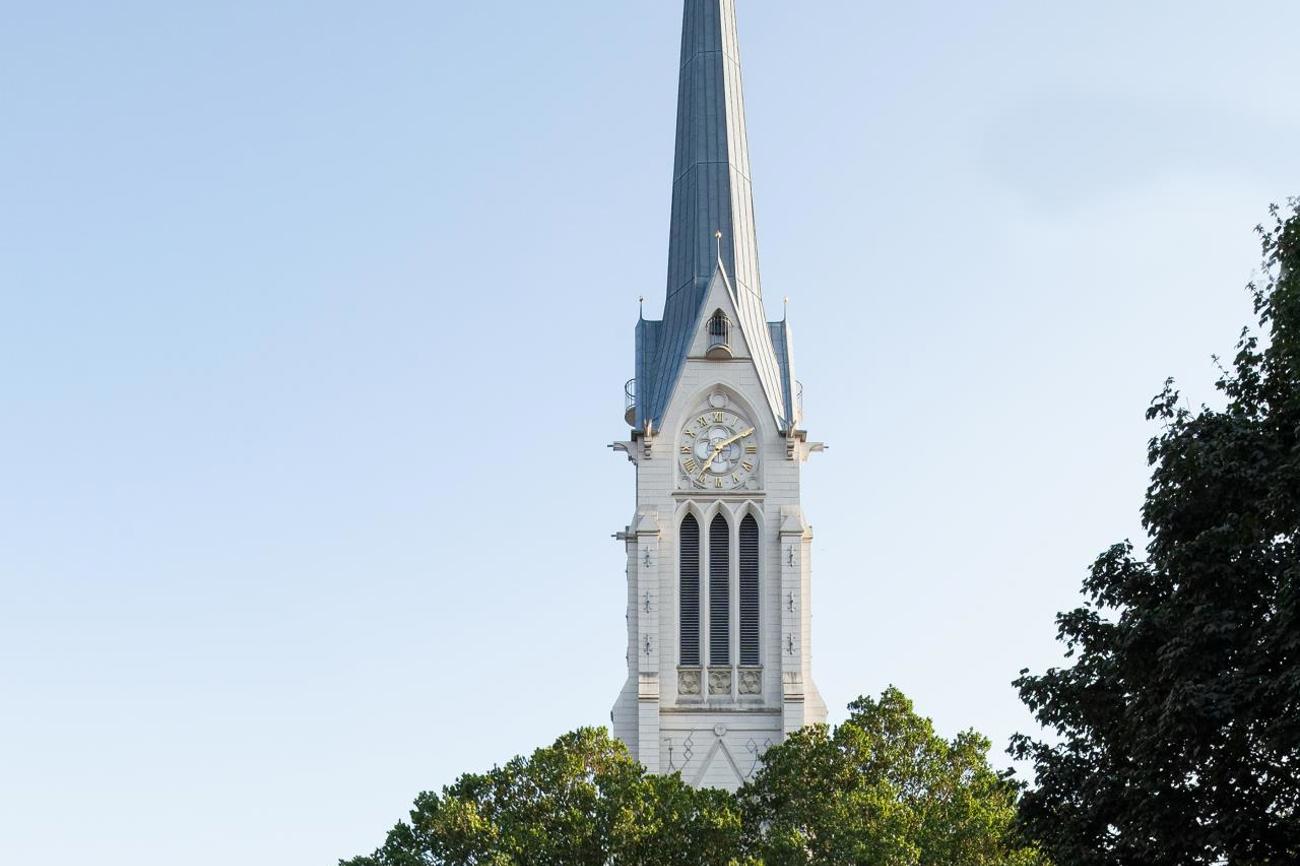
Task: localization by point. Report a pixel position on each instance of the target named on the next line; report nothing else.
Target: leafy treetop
(1178, 722)
(880, 790)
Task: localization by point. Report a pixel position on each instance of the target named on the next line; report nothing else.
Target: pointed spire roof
(711, 195)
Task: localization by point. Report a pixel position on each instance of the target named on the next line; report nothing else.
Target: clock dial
(718, 451)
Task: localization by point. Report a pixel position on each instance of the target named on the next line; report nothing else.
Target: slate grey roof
(711, 193)
(782, 344)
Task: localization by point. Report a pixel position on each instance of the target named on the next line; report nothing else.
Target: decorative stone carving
(720, 681)
(688, 683)
(757, 751)
(751, 682)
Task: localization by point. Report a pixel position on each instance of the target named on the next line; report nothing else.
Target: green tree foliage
(1178, 722)
(581, 802)
(882, 789)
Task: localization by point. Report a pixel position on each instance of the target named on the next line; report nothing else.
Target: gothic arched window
(749, 593)
(719, 592)
(689, 565)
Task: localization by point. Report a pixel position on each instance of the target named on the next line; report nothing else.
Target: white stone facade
(712, 723)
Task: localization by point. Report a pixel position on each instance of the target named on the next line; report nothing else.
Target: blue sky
(314, 321)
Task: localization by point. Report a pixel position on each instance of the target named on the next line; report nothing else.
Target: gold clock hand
(709, 462)
(732, 441)
(736, 438)
(720, 446)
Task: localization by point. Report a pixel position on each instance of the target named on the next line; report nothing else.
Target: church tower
(718, 552)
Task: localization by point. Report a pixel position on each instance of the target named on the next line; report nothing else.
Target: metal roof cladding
(711, 195)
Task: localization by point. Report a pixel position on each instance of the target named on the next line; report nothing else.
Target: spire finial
(787, 307)
(718, 236)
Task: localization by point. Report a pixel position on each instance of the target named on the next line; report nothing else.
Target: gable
(719, 770)
(674, 342)
(719, 300)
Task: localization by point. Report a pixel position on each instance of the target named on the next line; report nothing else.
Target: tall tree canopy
(881, 790)
(581, 802)
(1178, 720)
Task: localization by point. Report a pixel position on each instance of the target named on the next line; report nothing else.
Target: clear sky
(315, 318)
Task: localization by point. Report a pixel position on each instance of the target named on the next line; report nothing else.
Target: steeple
(711, 195)
(719, 574)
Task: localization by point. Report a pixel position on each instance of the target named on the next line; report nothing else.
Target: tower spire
(711, 186)
(711, 197)
(719, 535)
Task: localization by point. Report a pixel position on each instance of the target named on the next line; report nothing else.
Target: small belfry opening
(719, 332)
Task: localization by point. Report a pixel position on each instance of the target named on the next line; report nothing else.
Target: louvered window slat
(690, 591)
(719, 592)
(749, 594)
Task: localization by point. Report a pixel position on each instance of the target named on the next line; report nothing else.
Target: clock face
(718, 451)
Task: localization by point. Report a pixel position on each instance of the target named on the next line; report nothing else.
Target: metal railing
(629, 402)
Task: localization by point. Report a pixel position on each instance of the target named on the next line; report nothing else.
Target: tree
(581, 802)
(1178, 720)
(882, 789)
